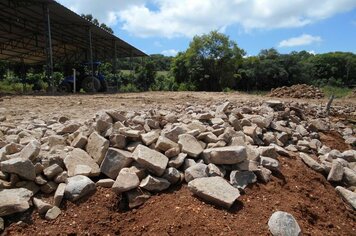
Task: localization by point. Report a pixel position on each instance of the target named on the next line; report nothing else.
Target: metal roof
(23, 27)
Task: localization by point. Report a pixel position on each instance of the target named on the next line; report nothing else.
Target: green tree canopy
(210, 62)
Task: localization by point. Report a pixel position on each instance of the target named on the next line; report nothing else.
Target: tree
(146, 75)
(210, 62)
(95, 21)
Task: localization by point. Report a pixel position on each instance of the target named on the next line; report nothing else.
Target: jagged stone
(97, 147)
(22, 167)
(114, 161)
(198, 170)
(151, 160)
(125, 181)
(14, 200)
(154, 184)
(242, 179)
(78, 186)
(190, 145)
(79, 157)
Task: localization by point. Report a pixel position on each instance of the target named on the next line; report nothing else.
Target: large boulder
(153, 161)
(14, 200)
(215, 190)
(78, 157)
(78, 187)
(283, 224)
(165, 144)
(225, 155)
(22, 167)
(114, 161)
(97, 147)
(190, 145)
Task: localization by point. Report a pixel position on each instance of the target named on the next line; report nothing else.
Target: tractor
(85, 80)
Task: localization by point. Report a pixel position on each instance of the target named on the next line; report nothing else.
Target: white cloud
(170, 52)
(305, 39)
(312, 52)
(171, 18)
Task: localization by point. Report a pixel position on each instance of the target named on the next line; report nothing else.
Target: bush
(129, 88)
(338, 92)
(228, 90)
(187, 87)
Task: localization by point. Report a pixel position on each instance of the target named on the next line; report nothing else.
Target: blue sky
(167, 26)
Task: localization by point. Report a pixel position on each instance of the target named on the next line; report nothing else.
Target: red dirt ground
(297, 190)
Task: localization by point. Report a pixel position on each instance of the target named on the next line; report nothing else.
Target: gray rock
(196, 171)
(214, 170)
(105, 183)
(349, 155)
(269, 151)
(137, 197)
(188, 163)
(59, 194)
(61, 178)
(153, 161)
(172, 175)
(118, 141)
(125, 181)
(52, 171)
(311, 163)
(215, 190)
(68, 127)
(263, 174)
(31, 150)
(247, 165)
(154, 184)
(14, 200)
(80, 141)
(349, 176)
(174, 133)
(164, 144)
(42, 207)
(53, 213)
(242, 179)
(225, 155)
(78, 187)
(336, 172)
(283, 224)
(150, 137)
(49, 187)
(347, 195)
(114, 161)
(2, 224)
(22, 167)
(190, 145)
(97, 147)
(79, 157)
(172, 152)
(270, 163)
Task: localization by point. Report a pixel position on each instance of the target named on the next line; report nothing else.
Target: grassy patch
(339, 92)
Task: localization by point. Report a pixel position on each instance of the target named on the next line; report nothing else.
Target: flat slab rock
(215, 190)
(225, 155)
(14, 200)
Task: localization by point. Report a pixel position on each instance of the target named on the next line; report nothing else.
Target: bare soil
(296, 189)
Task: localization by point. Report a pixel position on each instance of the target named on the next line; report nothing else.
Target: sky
(167, 26)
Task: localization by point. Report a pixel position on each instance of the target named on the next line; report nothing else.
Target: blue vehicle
(84, 80)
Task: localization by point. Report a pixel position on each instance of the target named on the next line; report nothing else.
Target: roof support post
(91, 59)
(49, 52)
(114, 67)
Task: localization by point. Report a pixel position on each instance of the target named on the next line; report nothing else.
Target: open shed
(44, 31)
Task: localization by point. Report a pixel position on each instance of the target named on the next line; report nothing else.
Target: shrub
(129, 88)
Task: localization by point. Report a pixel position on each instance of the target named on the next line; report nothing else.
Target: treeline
(212, 62)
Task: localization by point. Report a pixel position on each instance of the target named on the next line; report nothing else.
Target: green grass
(338, 92)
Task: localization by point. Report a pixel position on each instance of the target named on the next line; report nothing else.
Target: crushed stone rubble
(218, 150)
(297, 91)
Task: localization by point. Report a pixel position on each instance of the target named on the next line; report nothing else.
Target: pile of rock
(297, 91)
(218, 150)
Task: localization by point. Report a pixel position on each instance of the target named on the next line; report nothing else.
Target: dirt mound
(297, 91)
(298, 190)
